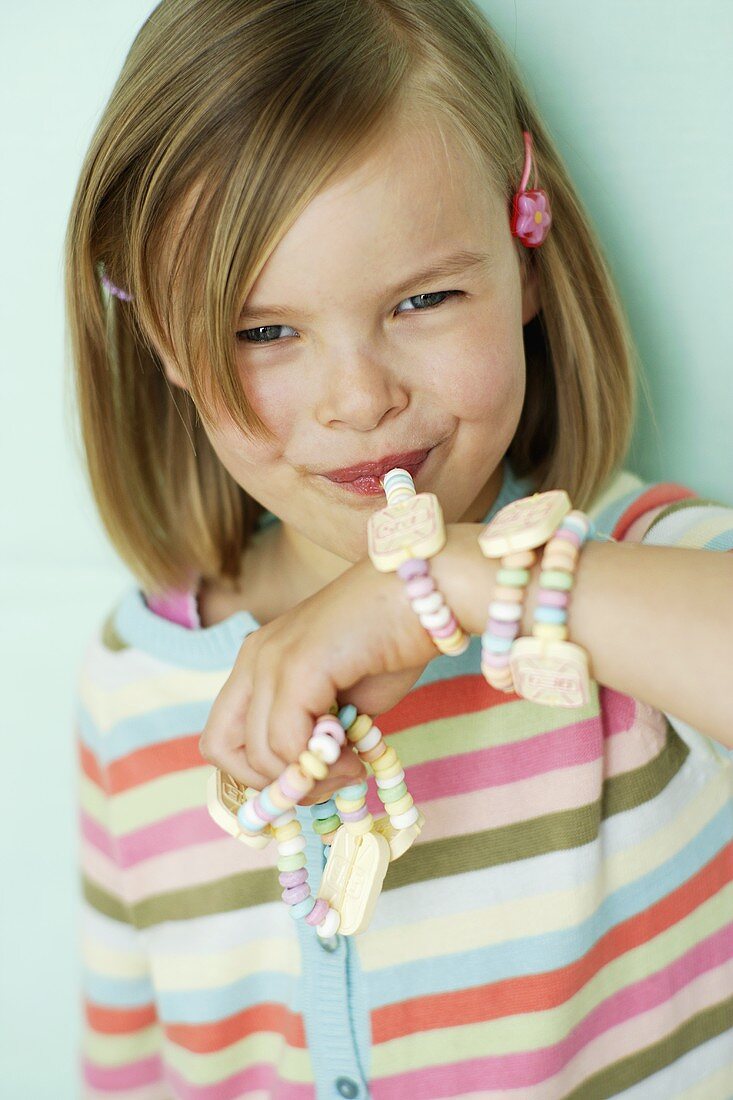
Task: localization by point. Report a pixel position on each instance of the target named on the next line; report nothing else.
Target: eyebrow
(454, 264)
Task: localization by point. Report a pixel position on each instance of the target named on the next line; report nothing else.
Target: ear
(530, 291)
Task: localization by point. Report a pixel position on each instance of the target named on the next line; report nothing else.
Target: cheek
(485, 377)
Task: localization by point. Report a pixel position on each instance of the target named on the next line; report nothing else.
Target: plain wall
(638, 96)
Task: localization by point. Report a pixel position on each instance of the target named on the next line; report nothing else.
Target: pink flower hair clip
(531, 217)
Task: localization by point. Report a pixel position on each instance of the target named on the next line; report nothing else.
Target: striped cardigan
(563, 926)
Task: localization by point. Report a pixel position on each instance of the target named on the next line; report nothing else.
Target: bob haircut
(239, 113)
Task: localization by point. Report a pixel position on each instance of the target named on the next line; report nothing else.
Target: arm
(656, 621)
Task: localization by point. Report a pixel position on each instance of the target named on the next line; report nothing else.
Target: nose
(358, 388)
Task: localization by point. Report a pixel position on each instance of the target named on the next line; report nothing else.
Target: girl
(294, 250)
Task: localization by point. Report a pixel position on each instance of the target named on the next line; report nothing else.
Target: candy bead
(291, 847)
(553, 578)
(502, 630)
(422, 605)
(419, 586)
(303, 908)
(347, 714)
(392, 794)
(326, 825)
(521, 559)
(249, 819)
(388, 773)
(330, 924)
(293, 779)
(318, 912)
(403, 821)
(504, 612)
(293, 894)
(390, 781)
(327, 724)
(293, 878)
(456, 644)
(413, 567)
(325, 748)
(515, 577)
(312, 766)
(354, 791)
(359, 828)
(385, 761)
(494, 660)
(361, 726)
(287, 832)
(434, 619)
(374, 754)
(401, 805)
(266, 803)
(291, 863)
(551, 631)
(509, 595)
(496, 645)
(354, 815)
(550, 598)
(555, 560)
(550, 615)
(349, 806)
(578, 521)
(369, 740)
(323, 809)
(328, 838)
(566, 534)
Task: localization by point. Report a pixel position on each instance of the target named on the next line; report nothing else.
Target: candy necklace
(358, 847)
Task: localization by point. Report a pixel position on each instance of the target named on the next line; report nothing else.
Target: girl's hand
(356, 641)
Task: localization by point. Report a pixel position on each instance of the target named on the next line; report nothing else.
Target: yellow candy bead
(349, 807)
(361, 725)
(553, 631)
(386, 760)
(312, 766)
(509, 595)
(401, 806)
(286, 832)
(359, 828)
(391, 771)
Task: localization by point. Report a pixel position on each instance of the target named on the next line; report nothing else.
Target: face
(364, 360)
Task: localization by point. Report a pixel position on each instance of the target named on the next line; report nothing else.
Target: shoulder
(627, 506)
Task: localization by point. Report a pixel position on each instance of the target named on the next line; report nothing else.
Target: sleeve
(120, 1053)
(688, 521)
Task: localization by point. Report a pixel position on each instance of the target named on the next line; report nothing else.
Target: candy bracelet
(544, 668)
(401, 537)
(358, 848)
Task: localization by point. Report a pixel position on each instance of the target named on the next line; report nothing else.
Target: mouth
(368, 485)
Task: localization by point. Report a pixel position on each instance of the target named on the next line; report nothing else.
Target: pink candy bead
(567, 535)
(293, 878)
(318, 912)
(287, 790)
(551, 598)
(330, 725)
(502, 630)
(414, 567)
(445, 631)
(260, 812)
(419, 586)
(294, 894)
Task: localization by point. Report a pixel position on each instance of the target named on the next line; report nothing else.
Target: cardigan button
(330, 943)
(347, 1087)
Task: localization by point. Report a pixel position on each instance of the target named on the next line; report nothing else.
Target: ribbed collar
(213, 647)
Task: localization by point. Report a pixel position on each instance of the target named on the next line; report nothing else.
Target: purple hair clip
(118, 293)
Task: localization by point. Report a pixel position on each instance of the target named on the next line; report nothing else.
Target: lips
(406, 461)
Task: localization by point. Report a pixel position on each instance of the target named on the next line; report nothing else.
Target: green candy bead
(291, 863)
(391, 794)
(517, 578)
(326, 824)
(555, 578)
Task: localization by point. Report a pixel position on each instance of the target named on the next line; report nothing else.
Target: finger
(260, 752)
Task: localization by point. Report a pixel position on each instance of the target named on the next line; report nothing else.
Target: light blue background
(638, 96)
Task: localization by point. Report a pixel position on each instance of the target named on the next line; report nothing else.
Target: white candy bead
(330, 924)
(504, 612)
(292, 846)
(370, 740)
(393, 782)
(423, 604)
(409, 817)
(325, 748)
(435, 619)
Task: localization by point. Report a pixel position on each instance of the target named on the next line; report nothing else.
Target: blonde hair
(239, 113)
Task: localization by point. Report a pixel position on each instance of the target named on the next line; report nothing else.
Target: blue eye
(256, 335)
